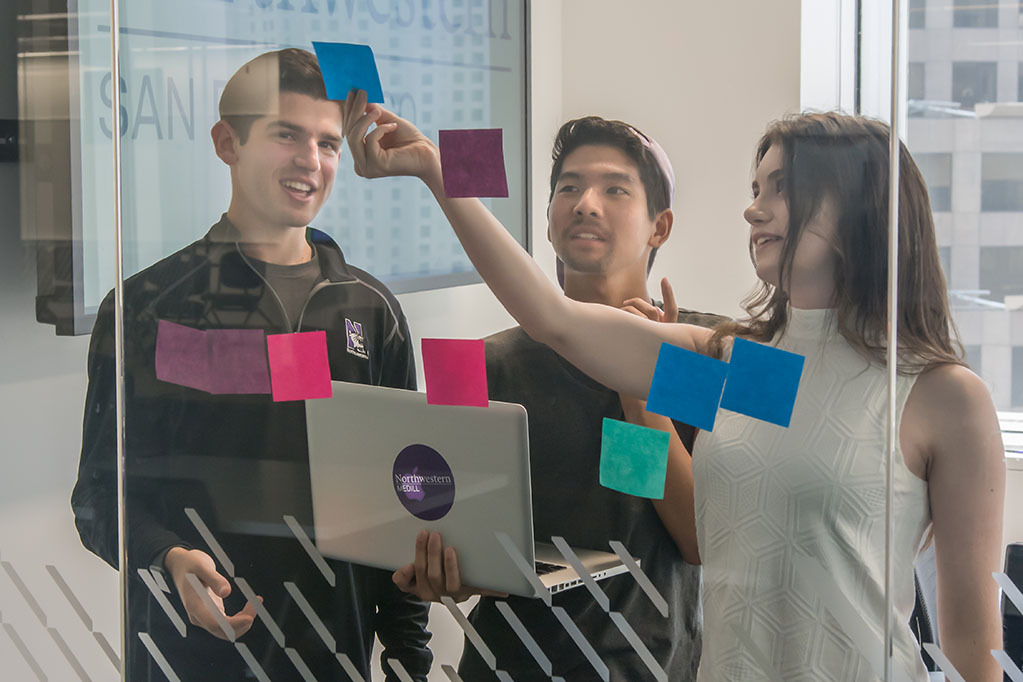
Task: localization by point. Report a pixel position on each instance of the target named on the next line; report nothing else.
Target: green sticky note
(633, 459)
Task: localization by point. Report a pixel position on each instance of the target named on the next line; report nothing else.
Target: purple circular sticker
(423, 482)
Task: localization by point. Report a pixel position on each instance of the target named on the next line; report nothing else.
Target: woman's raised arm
(615, 348)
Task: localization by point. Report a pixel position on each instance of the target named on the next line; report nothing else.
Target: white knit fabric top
(791, 526)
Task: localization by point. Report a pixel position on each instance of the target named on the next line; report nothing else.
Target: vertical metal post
(893, 341)
(122, 546)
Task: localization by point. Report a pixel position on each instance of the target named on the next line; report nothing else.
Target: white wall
(704, 79)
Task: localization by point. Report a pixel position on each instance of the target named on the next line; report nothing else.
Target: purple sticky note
(472, 163)
(299, 369)
(456, 372)
(181, 355)
(237, 361)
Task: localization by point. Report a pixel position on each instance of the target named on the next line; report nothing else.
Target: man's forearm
(676, 509)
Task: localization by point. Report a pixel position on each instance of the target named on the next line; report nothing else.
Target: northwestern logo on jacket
(356, 341)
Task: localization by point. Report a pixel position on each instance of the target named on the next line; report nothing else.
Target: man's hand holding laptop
(435, 574)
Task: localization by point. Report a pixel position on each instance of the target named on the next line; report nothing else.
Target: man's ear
(662, 228)
(225, 142)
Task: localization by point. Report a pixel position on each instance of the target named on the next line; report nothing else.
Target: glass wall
(782, 507)
(964, 118)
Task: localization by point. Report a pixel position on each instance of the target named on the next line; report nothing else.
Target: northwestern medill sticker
(423, 482)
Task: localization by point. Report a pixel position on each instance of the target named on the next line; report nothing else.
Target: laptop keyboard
(543, 568)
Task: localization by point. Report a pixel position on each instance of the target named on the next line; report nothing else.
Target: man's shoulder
(377, 292)
(157, 280)
(503, 345)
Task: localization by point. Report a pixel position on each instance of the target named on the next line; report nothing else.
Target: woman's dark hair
(845, 159)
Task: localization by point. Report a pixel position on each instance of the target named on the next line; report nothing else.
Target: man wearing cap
(223, 582)
(609, 211)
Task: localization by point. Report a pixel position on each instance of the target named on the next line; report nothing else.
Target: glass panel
(1001, 186)
(976, 152)
(917, 13)
(999, 271)
(915, 86)
(975, 14)
(1017, 377)
(230, 575)
(937, 172)
(973, 82)
(58, 603)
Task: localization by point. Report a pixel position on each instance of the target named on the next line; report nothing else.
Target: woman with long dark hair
(791, 521)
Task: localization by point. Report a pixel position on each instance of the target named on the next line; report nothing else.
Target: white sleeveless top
(791, 526)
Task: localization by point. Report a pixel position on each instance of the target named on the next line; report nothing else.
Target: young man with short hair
(609, 212)
(211, 478)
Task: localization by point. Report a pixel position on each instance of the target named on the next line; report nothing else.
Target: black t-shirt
(566, 411)
(289, 285)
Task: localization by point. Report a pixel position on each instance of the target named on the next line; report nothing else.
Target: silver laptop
(385, 464)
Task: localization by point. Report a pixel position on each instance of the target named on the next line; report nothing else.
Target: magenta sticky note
(456, 372)
(299, 369)
(181, 355)
(237, 361)
(472, 163)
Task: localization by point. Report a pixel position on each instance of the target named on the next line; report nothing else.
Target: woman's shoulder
(950, 386)
(950, 406)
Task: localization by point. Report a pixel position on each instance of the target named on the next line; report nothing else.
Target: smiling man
(212, 478)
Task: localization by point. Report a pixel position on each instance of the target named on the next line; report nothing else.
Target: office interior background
(703, 78)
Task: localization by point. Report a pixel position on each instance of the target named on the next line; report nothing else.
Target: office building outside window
(975, 14)
(965, 131)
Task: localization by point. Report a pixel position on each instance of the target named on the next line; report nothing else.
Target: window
(1017, 376)
(1001, 186)
(975, 14)
(973, 82)
(917, 13)
(917, 70)
(973, 358)
(937, 172)
(1019, 78)
(1000, 268)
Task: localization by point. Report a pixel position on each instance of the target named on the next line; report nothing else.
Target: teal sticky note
(633, 459)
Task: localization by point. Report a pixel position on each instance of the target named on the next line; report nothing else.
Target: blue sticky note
(633, 459)
(346, 66)
(687, 386)
(762, 382)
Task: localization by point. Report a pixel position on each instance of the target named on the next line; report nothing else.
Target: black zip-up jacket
(241, 462)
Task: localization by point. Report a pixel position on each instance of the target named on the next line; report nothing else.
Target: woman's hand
(395, 147)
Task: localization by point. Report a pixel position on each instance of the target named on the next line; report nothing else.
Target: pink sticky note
(456, 372)
(181, 355)
(237, 361)
(299, 369)
(472, 163)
